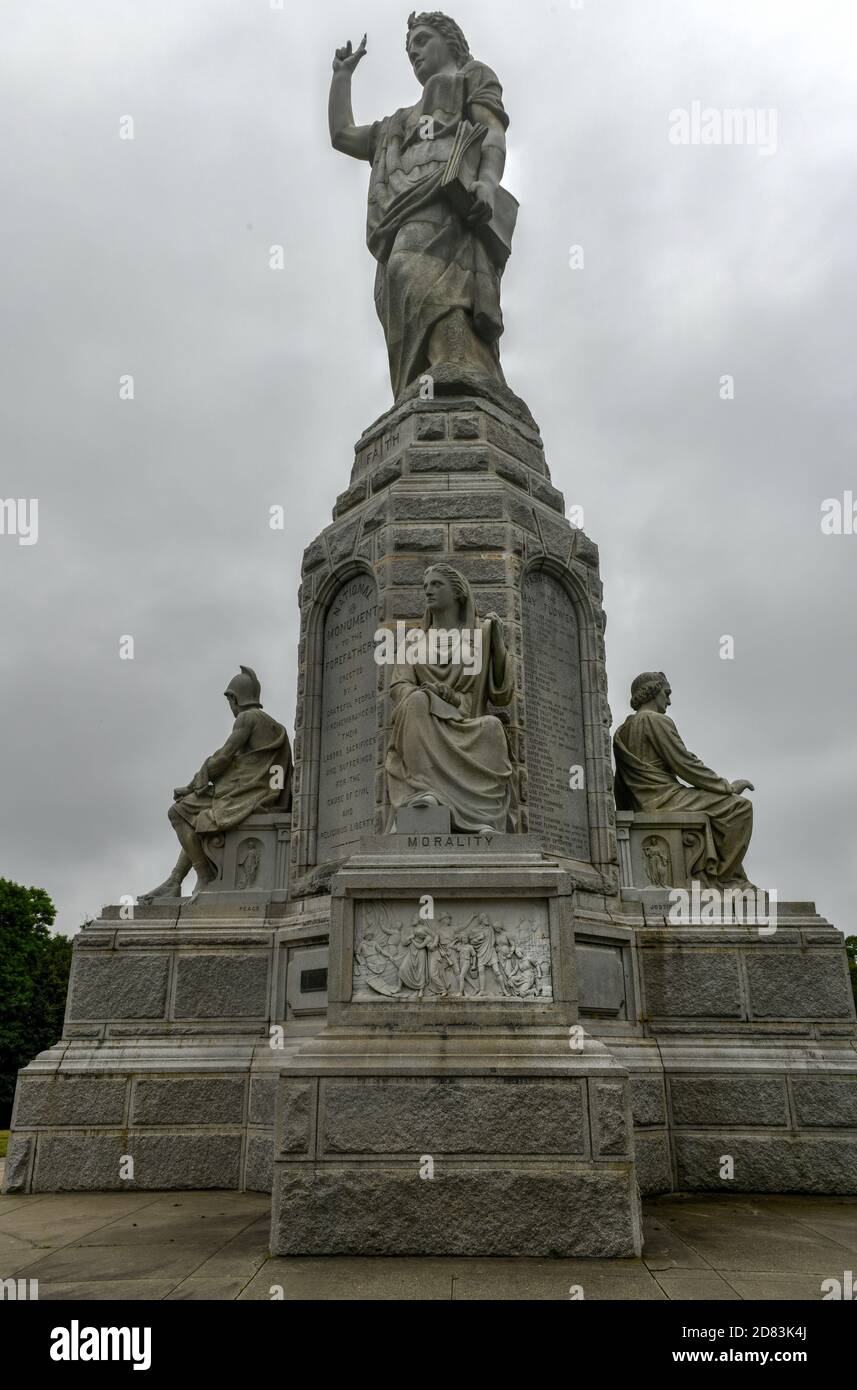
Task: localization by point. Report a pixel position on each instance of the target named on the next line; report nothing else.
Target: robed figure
(252, 772)
(445, 747)
(437, 285)
(650, 760)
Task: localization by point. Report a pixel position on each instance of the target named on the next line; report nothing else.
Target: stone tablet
(346, 787)
(556, 753)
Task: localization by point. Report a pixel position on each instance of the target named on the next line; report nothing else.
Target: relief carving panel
(469, 950)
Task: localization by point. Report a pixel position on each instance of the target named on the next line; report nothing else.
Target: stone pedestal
(178, 1026)
(252, 860)
(461, 479)
(453, 1104)
(479, 1145)
(660, 850)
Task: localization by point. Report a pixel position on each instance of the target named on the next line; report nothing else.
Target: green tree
(34, 966)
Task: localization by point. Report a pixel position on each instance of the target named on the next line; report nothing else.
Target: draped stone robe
(460, 756)
(650, 757)
(430, 262)
(241, 775)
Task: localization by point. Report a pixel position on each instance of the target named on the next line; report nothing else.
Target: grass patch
(4, 1140)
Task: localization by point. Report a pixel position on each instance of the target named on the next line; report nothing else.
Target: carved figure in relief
(374, 967)
(656, 853)
(441, 960)
(248, 863)
(480, 935)
(467, 972)
(523, 973)
(427, 961)
(418, 941)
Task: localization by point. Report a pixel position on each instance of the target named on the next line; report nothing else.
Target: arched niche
(557, 765)
(347, 719)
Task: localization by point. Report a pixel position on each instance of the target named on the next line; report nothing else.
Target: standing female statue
(445, 748)
(437, 287)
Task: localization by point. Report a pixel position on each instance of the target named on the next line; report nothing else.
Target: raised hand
(345, 60)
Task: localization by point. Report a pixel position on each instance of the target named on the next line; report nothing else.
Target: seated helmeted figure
(445, 748)
(650, 759)
(250, 773)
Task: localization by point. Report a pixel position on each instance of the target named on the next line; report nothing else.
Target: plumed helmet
(245, 687)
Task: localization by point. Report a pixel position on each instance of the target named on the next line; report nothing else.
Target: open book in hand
(459, 176)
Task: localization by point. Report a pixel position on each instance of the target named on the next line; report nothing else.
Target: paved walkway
(213, 1245)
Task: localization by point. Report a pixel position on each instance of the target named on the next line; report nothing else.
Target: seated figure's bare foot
(170, 888)
(202, 883)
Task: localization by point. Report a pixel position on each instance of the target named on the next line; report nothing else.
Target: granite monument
(452, 946)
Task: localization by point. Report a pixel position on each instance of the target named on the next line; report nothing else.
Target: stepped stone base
(784, 1111)
(176, 1027)
(734, 1043)
(425, 1147)
(445, 1112)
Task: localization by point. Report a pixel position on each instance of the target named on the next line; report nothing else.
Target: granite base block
(555, 1209)
(653, 1161)
(766, 1163)
(88, 1161)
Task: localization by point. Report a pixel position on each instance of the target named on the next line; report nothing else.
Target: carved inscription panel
(346, 785)
(555, 742)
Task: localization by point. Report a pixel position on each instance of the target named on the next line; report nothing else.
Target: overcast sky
(151, 257)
